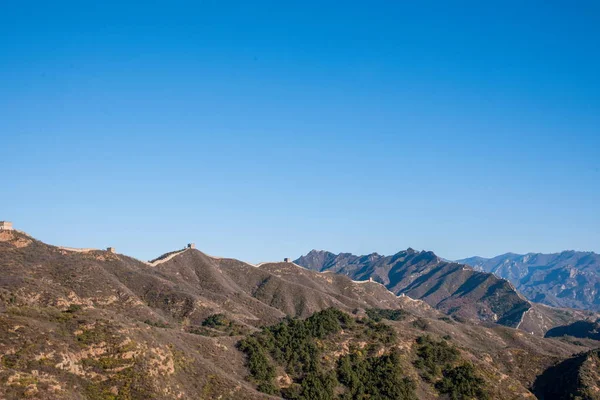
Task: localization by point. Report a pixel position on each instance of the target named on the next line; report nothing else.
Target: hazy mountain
(97, 325)
(450, 287)
(567, 279)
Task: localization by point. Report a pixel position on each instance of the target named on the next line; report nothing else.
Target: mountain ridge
(451, 287)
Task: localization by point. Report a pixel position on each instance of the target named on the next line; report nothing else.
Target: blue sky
(261, 130)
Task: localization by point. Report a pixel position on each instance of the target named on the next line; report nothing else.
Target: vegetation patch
(459, 382)
(104, 363)
(433, 356)
(377, 314)
(421, 324)
(219, 325)
(298, 346)
(157, 324)
(462, 382)
(374, 377)
(128, 384)
(98, 334)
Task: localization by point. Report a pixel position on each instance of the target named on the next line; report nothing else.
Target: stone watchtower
(287, 260)
(6, 226)
(111, 250)
(191, 245)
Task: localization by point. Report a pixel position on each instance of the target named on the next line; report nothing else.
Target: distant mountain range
(567, 279)
(453, 288)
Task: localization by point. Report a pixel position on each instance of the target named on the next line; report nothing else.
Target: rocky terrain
(97, 325)
(567, 279)
(453, 288)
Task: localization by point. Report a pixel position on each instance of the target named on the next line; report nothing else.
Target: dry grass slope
(98, 325)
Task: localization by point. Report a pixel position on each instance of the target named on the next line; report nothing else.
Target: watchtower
(286, 260)
(111, 250)
(191, 245)
(6, 226)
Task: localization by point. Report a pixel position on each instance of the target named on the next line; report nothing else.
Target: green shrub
(216, 321)
(374, 377)
(421, 324)
(318, 385)
(258, 363)
(291, 344)
(380, 332)
(462, 382)
(268, 388)
(73, 308)
(377, 314)
(157, 324)
(10, 360)
(219, 323)
(434, 355)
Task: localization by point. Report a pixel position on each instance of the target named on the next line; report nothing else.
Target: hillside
(96, 325)
(452, 288)
(578, 329)
(574, 378)
(71, 322)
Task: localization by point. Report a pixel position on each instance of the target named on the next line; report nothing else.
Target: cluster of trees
(377, 314)
(216, 321)
(294, 345)
(261, 369)
(374, 378)
(435, 358)
(219, 324)
(376, 333)
(461, 382)
(297, 347)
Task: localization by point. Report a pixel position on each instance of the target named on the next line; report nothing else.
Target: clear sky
(262, 130)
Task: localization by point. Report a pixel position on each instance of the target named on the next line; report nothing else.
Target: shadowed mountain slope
(452, 288)
(575, 378)
(579, 329)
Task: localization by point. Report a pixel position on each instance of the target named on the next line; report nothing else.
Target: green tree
(462, 383)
